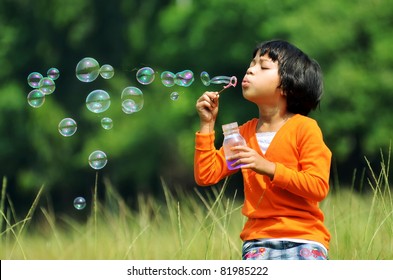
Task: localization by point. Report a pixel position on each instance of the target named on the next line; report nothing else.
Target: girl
(285, 165)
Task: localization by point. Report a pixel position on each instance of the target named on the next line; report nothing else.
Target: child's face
(261, 82)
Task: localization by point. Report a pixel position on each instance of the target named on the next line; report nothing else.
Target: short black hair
(300, 75)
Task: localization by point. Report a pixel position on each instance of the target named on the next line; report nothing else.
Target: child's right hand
(207, 108)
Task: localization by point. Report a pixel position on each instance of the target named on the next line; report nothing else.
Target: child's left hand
(249, 158)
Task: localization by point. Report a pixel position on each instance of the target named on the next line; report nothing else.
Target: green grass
(204, 224)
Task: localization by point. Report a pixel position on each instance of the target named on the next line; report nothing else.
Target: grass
(362, 224)
(204, 224)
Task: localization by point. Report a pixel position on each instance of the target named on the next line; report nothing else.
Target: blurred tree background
(350, 39)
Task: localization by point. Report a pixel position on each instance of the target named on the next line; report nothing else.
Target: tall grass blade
(31, 210)
(95, 210)
(10, 227)
(51, 223)
(179, 227)
(377, 230)
(2, 200)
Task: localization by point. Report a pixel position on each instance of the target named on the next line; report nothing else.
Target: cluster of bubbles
(184, 78)
(42, 86)
(98, 101)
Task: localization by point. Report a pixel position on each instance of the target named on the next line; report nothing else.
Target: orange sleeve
(209, 164)
(311, 179)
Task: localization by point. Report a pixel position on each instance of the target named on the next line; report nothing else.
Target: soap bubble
(107, 71)
(132, 100)
(174, 96)
(97, 159)
(205, 78)
(168, 78)
(184, 78)
(145, 75)
(34, 79)
(79, 203)
(87, 70)
(67, 127)
(106, 123)
(36, 98)
(221, 80)
(98, 101)
(53, 73)
(47, 85)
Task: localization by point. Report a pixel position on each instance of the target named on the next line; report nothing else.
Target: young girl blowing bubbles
(285, 165)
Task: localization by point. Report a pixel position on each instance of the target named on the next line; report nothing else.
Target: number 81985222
(244, 270)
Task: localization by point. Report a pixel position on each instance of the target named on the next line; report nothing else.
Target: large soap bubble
(98, 101)
(184, 78)
(36, 98)
(168, 78)
(47, 85)
(221, 80)
(34, 79)
(132, 100)
(97, 159)
(87, 70)
(145, 75)
(67, 127)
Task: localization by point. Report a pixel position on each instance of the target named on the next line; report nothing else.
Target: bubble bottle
(232, 137)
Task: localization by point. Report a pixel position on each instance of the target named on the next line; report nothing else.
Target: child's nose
(250, 70)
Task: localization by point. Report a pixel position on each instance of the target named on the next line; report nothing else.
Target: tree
(351, 41)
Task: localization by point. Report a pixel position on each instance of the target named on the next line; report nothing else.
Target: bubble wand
(232, 83)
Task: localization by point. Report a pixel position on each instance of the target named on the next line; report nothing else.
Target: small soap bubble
(221, 80)
(184, 78)
(106, 123)
(47, 85)
(87, 70)
(67, 127)
(205, 78)
(107, 71)
(168, 78)
(98, 101)
(34, 79)
(36, 98)
(79, 203)
(174, 96)
(145, 75)
(132, 100)
(97, 160)
(53, 73)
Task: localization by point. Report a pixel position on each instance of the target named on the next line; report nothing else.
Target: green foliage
(350, 39)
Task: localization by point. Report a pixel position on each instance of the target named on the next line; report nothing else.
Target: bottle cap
(229, 126)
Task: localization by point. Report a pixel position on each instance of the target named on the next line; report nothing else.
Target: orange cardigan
(288, 205)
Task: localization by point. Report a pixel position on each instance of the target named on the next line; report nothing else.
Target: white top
(264, 140)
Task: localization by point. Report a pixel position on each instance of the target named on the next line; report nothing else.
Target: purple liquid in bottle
(230, 162)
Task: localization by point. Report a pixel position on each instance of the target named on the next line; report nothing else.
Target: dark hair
(300, 75)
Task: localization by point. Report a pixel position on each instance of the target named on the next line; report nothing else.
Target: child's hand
(249, 158)
(207, 108)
